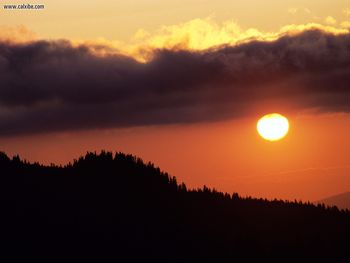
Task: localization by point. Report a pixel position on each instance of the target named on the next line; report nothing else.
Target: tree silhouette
(115, 207)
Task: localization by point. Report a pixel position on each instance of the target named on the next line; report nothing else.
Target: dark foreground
(107, 208)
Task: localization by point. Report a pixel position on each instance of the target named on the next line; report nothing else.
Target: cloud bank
(49, 86)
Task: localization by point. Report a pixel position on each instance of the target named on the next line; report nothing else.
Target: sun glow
(273, 127)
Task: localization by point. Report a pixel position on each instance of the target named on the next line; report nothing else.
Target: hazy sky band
(120, 20)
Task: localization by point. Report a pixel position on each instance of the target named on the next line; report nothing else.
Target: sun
(273, 126)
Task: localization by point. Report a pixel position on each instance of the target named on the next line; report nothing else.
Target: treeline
(114, 207)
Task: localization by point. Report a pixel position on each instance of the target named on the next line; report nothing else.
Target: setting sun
(175, 131)
(273, 126)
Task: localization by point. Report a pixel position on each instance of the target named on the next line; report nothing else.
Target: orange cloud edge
(197, 35)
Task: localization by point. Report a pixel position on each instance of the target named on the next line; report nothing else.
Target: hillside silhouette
(341, 200)
(115, 208)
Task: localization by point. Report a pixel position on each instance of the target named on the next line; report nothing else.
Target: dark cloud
(53, 86)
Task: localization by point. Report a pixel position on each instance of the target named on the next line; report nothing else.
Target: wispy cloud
(309, 169)
(298, 10)
(330, 20)
(345, 24)
(19, 34)
(346, 11)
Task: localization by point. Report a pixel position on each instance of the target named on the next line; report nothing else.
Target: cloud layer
(55, 86)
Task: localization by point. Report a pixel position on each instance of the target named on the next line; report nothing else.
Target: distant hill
(116, 208)
(342, 201)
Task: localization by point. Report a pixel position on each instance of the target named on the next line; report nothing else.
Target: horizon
(327, 200)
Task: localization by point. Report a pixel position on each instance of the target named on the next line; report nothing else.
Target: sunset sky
(182, 84)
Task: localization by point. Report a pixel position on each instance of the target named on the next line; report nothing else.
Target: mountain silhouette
(115, 208)
(341, 200)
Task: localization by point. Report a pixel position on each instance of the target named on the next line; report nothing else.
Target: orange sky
(311, 163)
